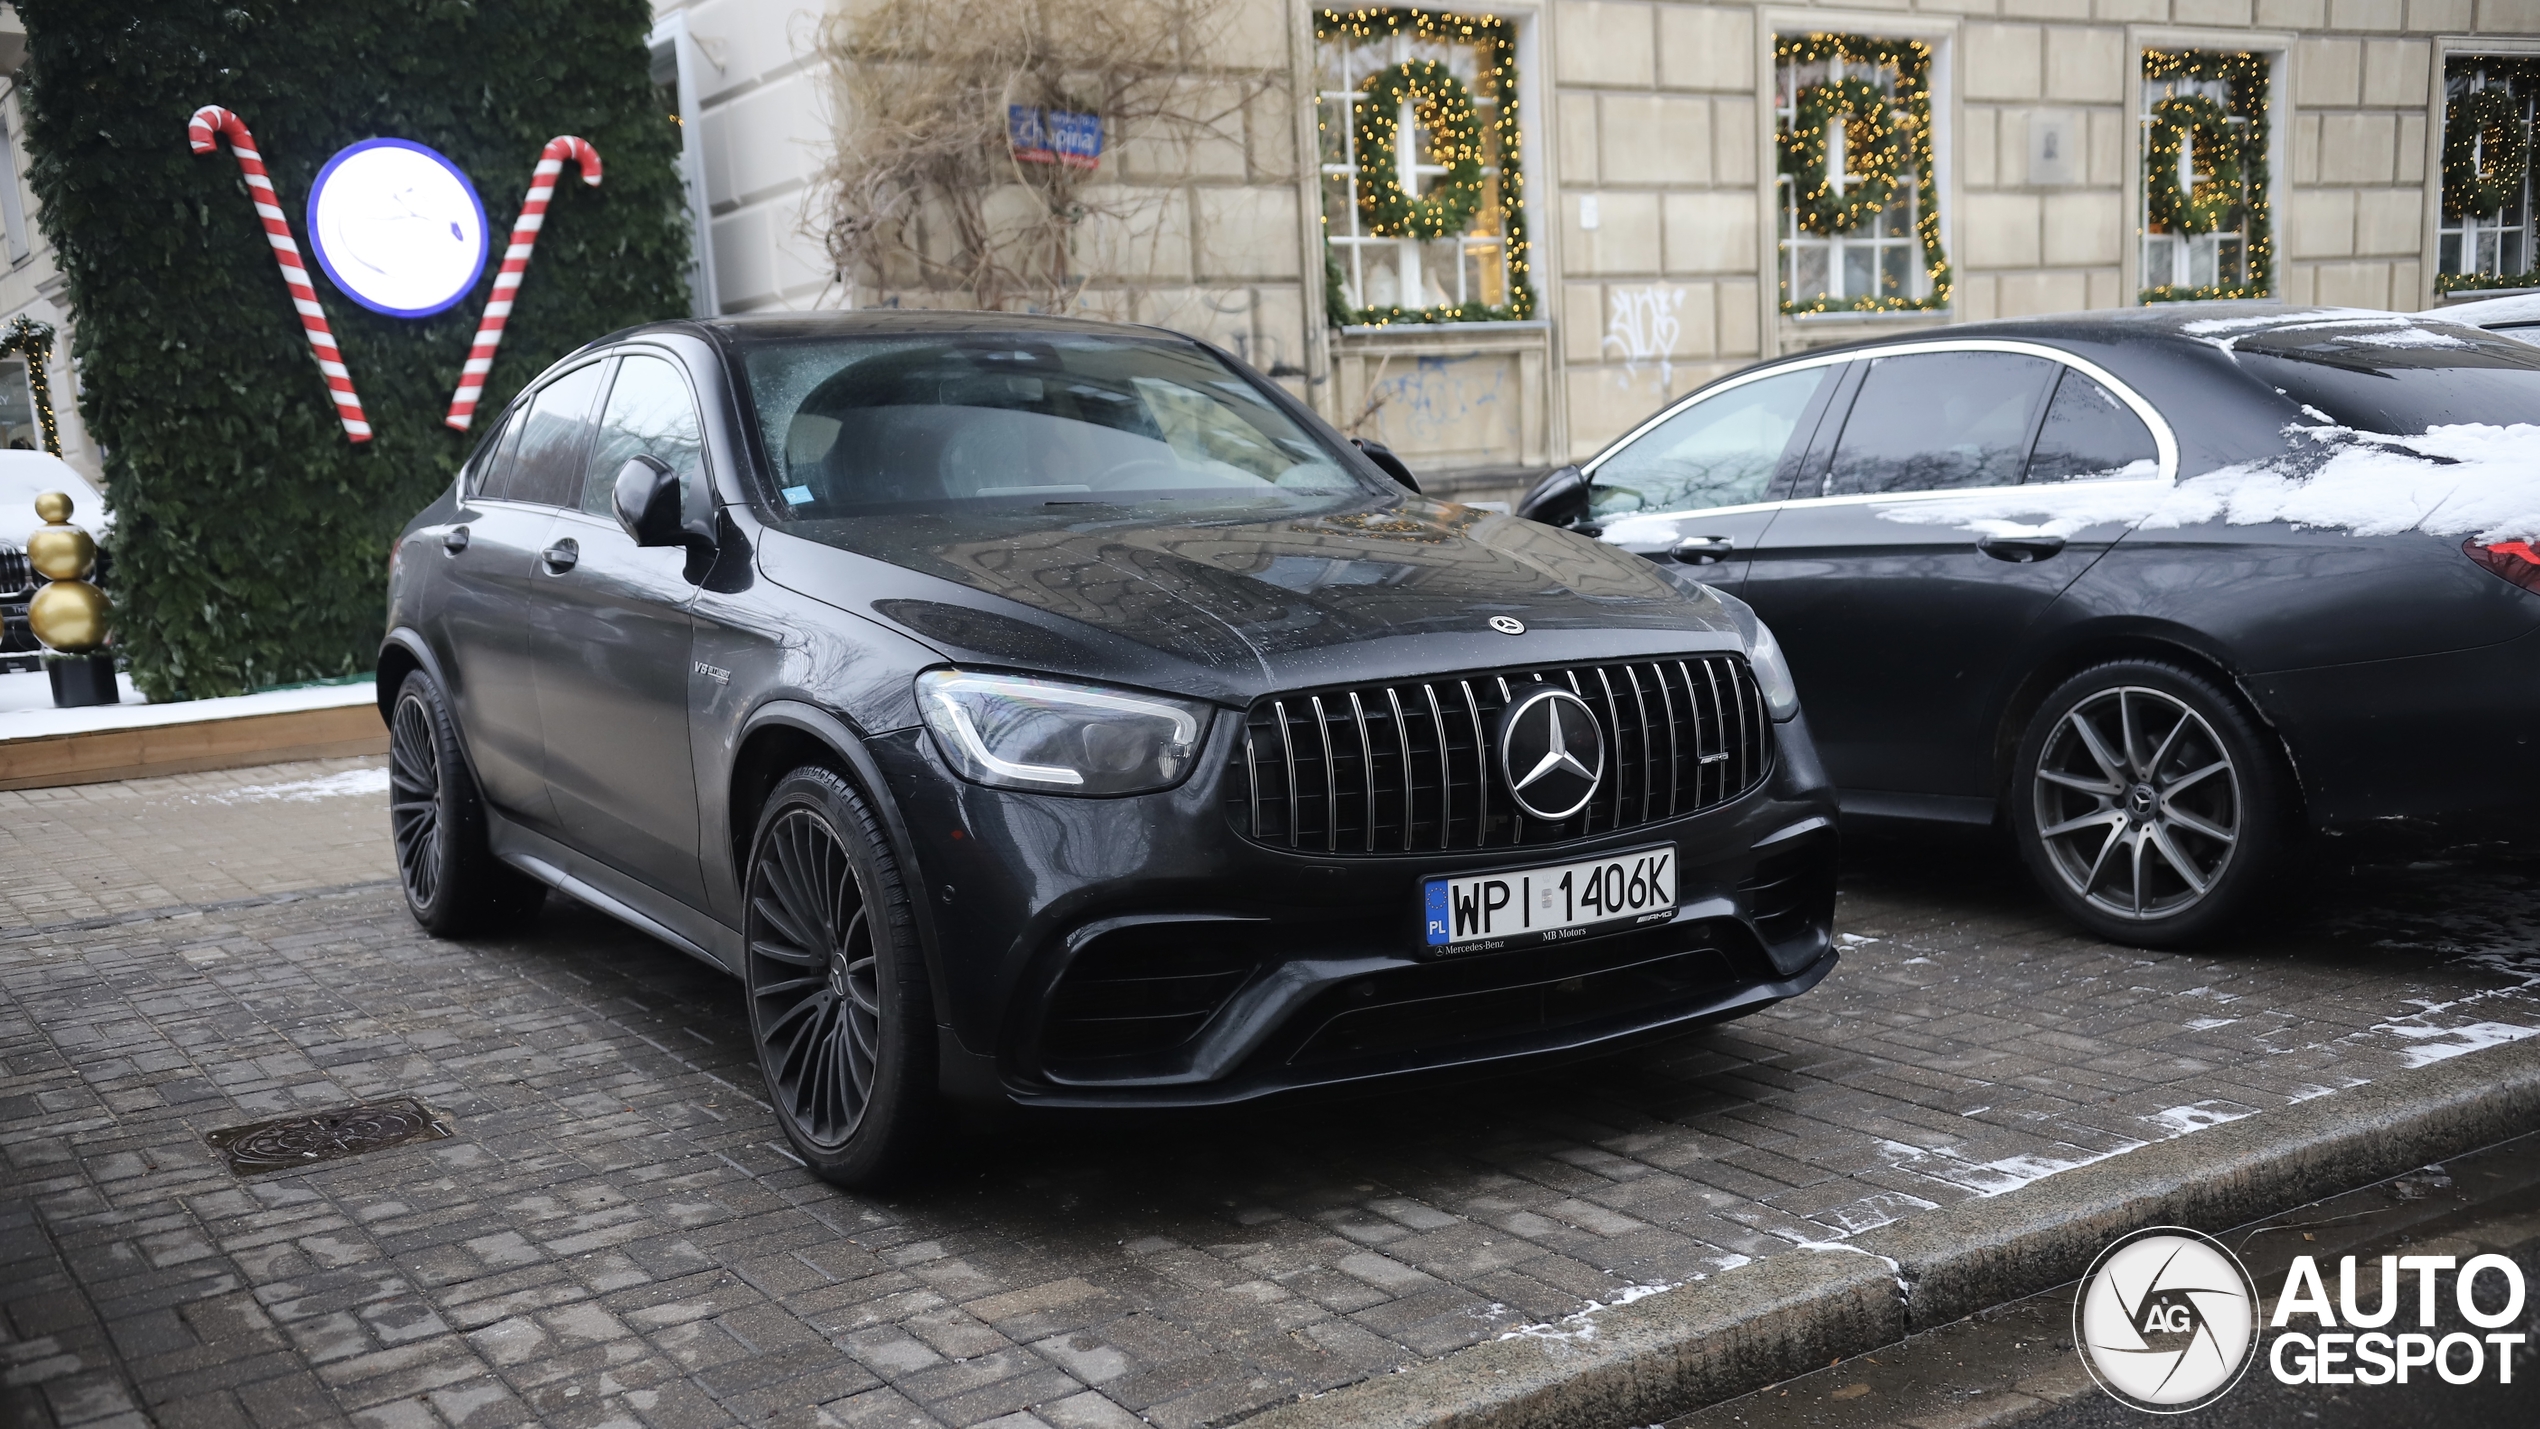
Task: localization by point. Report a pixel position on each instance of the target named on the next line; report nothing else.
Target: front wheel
(840, 1010)
(2147, 805)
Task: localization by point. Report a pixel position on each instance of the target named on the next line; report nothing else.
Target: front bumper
(1139, 952)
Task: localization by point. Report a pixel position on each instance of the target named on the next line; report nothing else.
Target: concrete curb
(1774, 1318)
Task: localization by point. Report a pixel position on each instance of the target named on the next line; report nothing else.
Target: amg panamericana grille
(1413, 767)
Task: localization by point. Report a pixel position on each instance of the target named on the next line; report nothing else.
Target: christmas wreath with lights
(1442, 106)
(2214, 204)
(1887, 137)
(1877, 148)
(2482, 177)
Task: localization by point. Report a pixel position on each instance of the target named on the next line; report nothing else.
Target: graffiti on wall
(1643, 325)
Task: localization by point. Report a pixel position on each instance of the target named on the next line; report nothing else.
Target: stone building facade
(2040, 156)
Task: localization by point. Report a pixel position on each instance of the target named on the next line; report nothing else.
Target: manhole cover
(329, 1135)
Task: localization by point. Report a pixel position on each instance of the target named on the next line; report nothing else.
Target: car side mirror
(1388, 463)
(1560, 499)
(658, 508)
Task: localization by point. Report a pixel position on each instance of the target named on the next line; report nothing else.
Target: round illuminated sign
(397, 227)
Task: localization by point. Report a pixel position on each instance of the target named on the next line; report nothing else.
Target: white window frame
(1336, 106)
(2447, 49)
(2277, 47)
(1890, 231)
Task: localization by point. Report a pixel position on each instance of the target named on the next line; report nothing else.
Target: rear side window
(544, 463)
(649, 413)
(1721, 451)
(488, 477)
(2089, 435)
(1933, 421)
(2398, 378)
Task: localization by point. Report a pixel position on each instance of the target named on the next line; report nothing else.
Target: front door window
(1720, 451)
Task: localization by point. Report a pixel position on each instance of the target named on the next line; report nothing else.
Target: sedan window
(649, 413)
(1931, 421)
(2089, 435)
(1720, 451)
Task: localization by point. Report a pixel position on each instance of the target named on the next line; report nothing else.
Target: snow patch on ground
(2196, 1116)
(2441, 1044)
(2208, 1024)
(1997, 1177)
(351, 783)
(1581, 1324)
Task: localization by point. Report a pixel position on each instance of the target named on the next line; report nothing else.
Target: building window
(1423, 207)
(12, 200)
(2206, 223)
(19, 430)
(2484, 239)
(1859, 214)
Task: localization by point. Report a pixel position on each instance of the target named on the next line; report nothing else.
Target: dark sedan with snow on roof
(2163, 590)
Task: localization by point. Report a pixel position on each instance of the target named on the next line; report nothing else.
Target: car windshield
(1025, 429)
(2398, 379)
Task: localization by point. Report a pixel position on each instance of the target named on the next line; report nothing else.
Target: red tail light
(2516, 561)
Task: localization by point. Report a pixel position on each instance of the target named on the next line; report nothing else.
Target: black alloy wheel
(2148, 805)
(454, 884)
(839, 1006)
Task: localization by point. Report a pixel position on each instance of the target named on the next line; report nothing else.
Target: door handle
(1703, 550)
(561, 556)
(454, 540)
(2020, 550)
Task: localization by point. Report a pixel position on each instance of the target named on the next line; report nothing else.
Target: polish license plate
(1529, 906)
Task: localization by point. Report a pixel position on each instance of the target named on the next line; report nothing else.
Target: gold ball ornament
(54, 507)
(60, 553)
(69, 616)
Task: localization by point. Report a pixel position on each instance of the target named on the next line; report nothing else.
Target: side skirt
(589, 881)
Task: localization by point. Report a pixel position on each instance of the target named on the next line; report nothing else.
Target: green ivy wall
(251, 538)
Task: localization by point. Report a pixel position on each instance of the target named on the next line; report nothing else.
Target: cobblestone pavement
(615, 1234)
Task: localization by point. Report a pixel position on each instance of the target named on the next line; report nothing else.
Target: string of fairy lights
(32, 342)
(1459, 141)
(2229, 175)
(1887, 142)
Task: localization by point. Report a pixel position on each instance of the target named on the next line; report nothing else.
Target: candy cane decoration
(498, 307)
(212, 120)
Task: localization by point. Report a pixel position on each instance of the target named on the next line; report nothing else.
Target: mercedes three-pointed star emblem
(1551, 753)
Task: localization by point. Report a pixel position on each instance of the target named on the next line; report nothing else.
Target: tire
(2149, 805)
(840, 1011)
(454, 884)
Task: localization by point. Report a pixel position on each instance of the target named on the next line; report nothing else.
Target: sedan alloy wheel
(2138, 804)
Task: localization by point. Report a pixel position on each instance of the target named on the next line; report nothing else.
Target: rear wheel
(2147, 805)
(840, 1010)
(454, 885)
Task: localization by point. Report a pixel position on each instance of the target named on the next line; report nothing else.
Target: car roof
(2515, 310)
(746, 329)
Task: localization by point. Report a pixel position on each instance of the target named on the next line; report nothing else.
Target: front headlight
(1772, 673)
(1026, 732)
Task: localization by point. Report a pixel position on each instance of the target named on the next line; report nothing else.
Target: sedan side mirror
(1387, 463)
(658, 508)
(1560, 499)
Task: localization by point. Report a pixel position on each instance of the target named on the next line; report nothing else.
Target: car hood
(1235, 609)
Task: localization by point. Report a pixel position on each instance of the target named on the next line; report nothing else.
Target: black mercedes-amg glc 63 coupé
(1060, 713)
(2162, 591)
